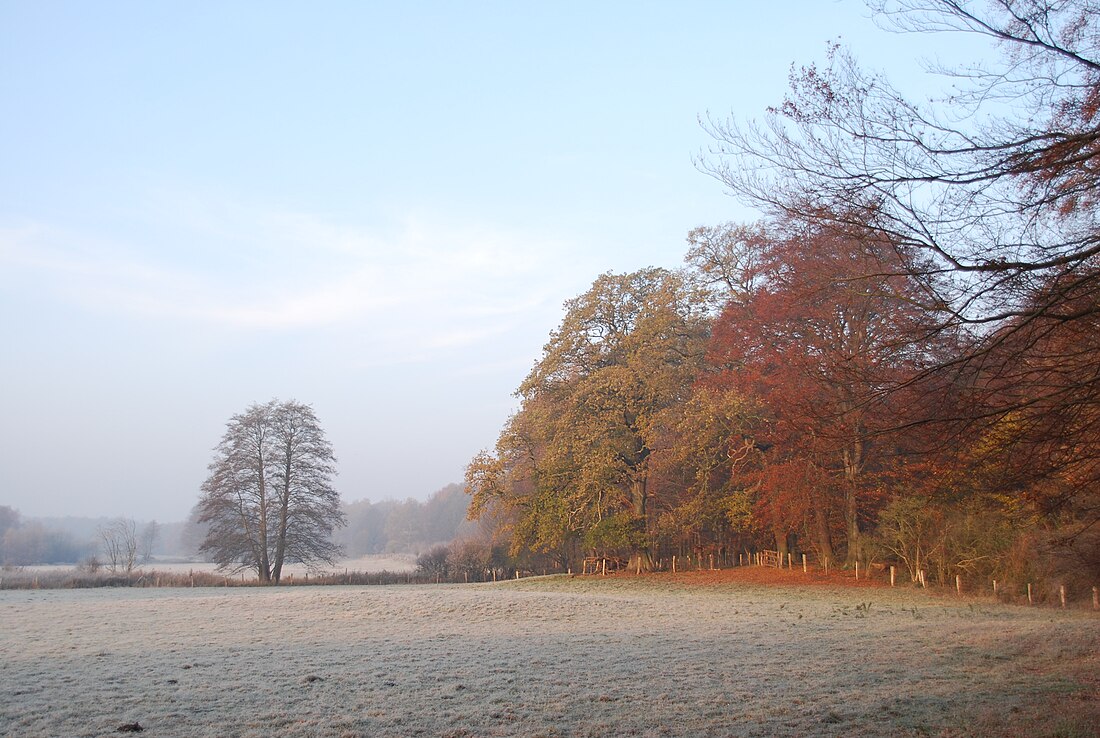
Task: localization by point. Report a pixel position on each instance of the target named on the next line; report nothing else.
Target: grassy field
(556, 656)
(370, 563)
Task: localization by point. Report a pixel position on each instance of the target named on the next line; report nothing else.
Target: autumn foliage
(899, 362)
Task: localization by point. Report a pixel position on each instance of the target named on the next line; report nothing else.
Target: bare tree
(9, 518)
(727, 260)
(435, 563)
(120, 545)
(996, 185)
(149, 535)
(269, 498)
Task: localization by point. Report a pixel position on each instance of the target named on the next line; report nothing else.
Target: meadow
(373, 563)
(548, 656)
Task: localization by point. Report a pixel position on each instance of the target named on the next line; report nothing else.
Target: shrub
(435, 563)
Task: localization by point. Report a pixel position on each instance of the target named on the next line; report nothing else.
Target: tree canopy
(269, 498)
(575, 461)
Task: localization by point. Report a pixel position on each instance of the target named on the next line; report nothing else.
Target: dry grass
(557, 656)
(72, 578)
(369, 569)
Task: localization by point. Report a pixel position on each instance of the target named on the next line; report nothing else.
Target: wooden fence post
(674, 564)
(1029, 593)
(1062, 594)
(892, 573)
(994, 587)
(857, 571)
(804, 563)
(1095, 598)
(712, 562)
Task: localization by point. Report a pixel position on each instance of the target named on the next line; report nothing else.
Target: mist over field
(407, 527)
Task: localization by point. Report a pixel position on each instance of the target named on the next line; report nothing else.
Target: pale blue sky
(374, 208)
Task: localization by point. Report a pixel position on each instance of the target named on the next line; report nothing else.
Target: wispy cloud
(426, 284)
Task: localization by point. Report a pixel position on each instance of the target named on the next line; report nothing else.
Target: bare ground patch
(556, 656)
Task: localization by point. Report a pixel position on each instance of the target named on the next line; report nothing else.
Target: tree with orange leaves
(823, 337)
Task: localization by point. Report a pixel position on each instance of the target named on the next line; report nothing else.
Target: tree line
(404, 526)
(900, 360)
(120, 544)
(30, 542)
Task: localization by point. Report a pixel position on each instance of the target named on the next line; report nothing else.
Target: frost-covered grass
(372, 563)
(553, 656)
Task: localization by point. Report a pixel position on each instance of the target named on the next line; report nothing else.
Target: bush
(944, 539)
(435, 563)
(471, 561)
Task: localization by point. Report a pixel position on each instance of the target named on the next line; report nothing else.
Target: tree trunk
(640, 498)
(821, 530)
(264, 564)
(284, 514)
(851, 513)
(853, 461)
(781, 545)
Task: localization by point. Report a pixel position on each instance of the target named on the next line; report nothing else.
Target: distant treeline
(73, 540)
(407, 526)
(388, 527)
(391, 526)
(32, 542)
